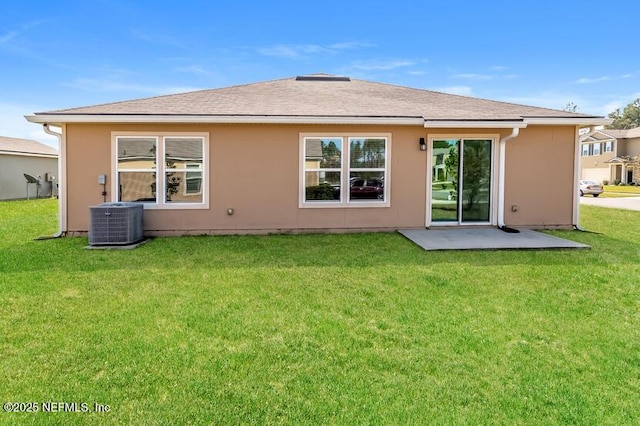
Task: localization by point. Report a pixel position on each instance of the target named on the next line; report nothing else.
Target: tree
(330, 154)
(477, 172)
(172, 181)
(451, 166)
(629, 118)
(570, 107)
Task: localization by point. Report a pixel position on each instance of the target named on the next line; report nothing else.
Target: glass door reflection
(444, 180)
(461, 181)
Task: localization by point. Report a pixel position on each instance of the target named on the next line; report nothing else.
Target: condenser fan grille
(115, 223)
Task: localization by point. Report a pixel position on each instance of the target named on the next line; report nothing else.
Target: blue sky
(60, 54)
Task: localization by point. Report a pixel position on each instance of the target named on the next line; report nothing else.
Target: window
(585, 149)
(596, 149)
(366, 169)
(137, 168)
(344, 171)
(194, 179)
(608, 146)
(161, 171)
(323, 169)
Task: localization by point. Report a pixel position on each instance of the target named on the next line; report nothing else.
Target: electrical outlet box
(102, 179)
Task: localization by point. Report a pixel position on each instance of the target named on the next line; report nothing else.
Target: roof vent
(322, 77)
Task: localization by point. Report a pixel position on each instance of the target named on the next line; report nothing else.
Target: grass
(330, 329)
(629, 190)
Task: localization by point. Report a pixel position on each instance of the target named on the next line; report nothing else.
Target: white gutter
(579, 121)
(501, 177)
(577, 169)
(293, 119)
(60, 180)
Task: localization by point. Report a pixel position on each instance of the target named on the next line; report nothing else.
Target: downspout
(61, 192)
(501, 176)
(577, 166)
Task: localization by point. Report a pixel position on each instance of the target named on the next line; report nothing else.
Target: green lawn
(626, 189)
(328, 329)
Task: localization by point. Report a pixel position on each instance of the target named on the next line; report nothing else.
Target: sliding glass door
(461, 181)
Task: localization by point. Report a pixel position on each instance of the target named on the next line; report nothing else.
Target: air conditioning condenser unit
(115, 224)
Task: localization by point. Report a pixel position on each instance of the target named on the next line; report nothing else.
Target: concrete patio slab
(486, 239)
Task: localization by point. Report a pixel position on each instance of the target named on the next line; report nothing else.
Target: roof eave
(288, 119)
(474, 124)
(567, 121)
(28, 154)
(221, 119)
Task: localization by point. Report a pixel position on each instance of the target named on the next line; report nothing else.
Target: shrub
(616, 182)
(324, 191)
(605, 182)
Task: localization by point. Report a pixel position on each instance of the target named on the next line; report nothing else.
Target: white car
(590, 187)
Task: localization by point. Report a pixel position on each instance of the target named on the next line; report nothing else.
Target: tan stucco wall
(597, 174)
(254, 169)
(539, 176)
(595, 161)
(630, 147)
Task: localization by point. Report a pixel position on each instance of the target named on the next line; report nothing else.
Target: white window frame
(597, 149)
(608, 146)
(345, 171)
(585, 149)
(160, 170)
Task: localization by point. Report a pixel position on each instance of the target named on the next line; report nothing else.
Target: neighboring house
(320, 153)
(22, 156)
(612, 155)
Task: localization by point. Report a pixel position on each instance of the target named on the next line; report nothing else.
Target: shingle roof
(25, 146)
(600, 135)
(625, 133)
(322, 96)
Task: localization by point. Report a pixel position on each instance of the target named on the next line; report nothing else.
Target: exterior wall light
(423, 145)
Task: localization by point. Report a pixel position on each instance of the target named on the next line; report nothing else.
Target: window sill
(348, 205)
(176, 206)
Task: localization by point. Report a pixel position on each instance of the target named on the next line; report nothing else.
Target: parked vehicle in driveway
(590, 187)
(366, 188)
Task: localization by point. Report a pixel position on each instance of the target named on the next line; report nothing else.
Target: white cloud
(291, 51)
(6, 38)
(111, 85)
(381, 65)
(161, 39)
(284, 51)
(13, 124)
(498, 68)
(11, 35)
(349, 45)
(586, 80)
(619, 102)
(587, 104)
(470, 76)
(192, 69)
